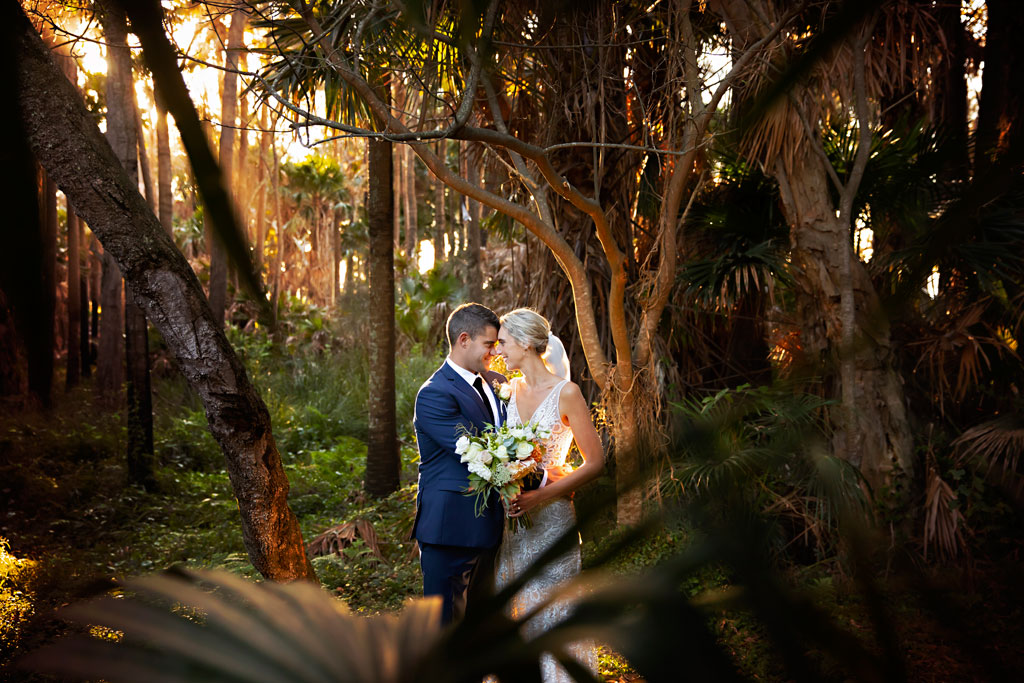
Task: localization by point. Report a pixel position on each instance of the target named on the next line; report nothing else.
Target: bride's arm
(574, 409)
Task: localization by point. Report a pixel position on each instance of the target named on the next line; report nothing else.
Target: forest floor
(74, 522)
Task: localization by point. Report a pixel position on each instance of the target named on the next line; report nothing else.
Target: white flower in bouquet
(501, 453)
(461, 445)
(524, 450)
(472, 451)
(479, 469)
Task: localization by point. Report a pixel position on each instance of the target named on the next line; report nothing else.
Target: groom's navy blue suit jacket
(444, 514)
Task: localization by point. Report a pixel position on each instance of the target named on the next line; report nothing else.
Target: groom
(457, 548)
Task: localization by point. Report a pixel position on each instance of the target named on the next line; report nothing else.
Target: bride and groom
(463, 556)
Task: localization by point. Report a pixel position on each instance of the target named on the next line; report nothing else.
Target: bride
(551, 401)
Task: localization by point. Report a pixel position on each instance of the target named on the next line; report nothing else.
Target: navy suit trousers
(459, 575)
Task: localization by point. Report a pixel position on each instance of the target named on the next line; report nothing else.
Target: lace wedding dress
(551, 520)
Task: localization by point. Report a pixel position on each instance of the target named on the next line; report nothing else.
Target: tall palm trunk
(261, 199)
(123, 132)
(228, 112)
(440, 217)
(474, 268)
(76, 282)
(74, 360)
(163, 171)
(411, 209)
(41, 382)
(382, 461)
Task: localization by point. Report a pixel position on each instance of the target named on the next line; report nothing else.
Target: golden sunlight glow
(932, 285)
(863, 241)
(426, 259)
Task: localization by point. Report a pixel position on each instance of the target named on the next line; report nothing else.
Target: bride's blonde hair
(528, 327)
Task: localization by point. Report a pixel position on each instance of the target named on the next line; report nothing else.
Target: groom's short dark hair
(472, 319)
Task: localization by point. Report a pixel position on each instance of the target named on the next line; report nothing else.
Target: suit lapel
(461, 386)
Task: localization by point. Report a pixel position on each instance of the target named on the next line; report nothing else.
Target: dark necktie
(478, 384)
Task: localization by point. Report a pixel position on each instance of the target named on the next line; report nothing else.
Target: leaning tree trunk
(382, 461)
(66, 141)
(872, 433)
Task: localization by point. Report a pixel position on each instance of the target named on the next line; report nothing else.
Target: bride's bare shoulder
(570, 392)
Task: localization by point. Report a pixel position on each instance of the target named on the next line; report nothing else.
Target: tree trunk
(412, 245)
(110, 353)
(440, 219)
(398, 192)
(951, 90)
(261, 200)
(163, 171)
(335, 227)
(83, 307)
(241, 188)
(20, 259)
(124, 132)
(474, 266)
(382, 461)
(1001, 102)
(228, 112)
(275, 270)
(41, 381)
(95, 295)
(63, 136)
(74, 362)
(873, 432)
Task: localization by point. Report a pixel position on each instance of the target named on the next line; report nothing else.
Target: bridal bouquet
(500, 460)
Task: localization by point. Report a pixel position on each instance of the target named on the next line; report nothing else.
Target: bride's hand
(524, 502)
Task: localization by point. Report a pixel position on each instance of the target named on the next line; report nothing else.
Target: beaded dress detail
(551, 520)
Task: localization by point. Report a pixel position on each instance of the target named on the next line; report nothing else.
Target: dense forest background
(783, 243)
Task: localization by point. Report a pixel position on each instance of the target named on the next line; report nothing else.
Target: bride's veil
(555, 357)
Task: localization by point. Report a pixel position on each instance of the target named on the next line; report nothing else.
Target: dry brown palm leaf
(337, 538)
(998, 442)
(943, 523)
(954, 347)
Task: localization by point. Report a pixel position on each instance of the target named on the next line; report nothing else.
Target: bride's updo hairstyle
(528, 328)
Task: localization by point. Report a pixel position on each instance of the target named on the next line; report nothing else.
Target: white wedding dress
(550, 521)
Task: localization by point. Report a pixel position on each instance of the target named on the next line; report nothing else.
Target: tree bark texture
(67, 142)
(875, 435)
(382, 461)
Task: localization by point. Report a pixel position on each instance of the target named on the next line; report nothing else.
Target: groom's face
(479, 349)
